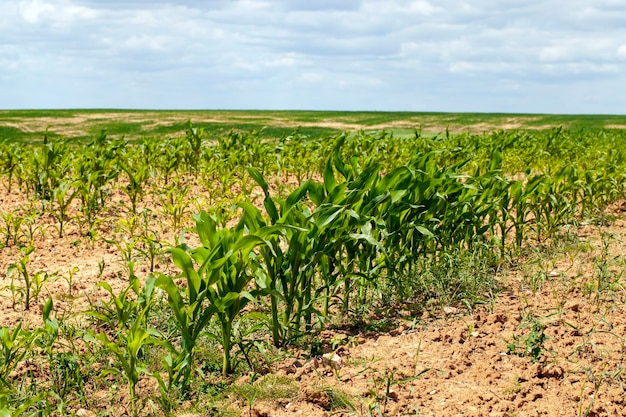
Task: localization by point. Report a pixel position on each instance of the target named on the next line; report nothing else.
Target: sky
(510, 56)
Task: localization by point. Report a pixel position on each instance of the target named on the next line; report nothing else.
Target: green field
(155, 260)
(133, 124)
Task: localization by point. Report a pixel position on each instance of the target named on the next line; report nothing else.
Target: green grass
(31, 125)
(11, 132)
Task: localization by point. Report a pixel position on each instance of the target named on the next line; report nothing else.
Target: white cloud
(31, 11)
(352, 54)
(56, 14)
(312, 77)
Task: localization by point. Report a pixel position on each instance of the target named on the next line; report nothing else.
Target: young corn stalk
(63, 196)
(32, 283)
(130, 339)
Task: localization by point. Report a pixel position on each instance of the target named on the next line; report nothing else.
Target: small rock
(333, 360)
(397, 332)
(551, 371)
(450, 310)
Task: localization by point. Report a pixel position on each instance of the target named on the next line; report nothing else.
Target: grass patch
(31, 125)
(459, 278)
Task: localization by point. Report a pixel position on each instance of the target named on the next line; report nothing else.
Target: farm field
(31, 125)
(311, 263)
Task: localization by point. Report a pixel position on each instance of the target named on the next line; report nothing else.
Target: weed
(532, 344)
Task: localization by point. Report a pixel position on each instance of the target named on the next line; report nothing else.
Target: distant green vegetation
(31, 125)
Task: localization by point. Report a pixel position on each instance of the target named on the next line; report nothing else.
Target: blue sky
(552, 56)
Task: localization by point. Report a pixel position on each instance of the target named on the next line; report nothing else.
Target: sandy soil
(440, 363)
(453, 363)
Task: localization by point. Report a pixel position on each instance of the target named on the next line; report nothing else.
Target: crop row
(368, 217)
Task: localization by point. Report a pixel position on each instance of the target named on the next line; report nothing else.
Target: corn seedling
(15, 407)
(120, 309)
(137, 177)
(131, 338)
(32, 284)
(11, 228)
(175, 204)
(62, 196)
(15, 346)
(69, 279)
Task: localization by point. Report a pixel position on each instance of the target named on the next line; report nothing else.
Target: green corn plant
(191, 312)
(30, 227)
(129, 226)
(15, 345)
(10, 159)
(126, 247)
(94, 171)
(145, 242)
(490, 206)
(89, 196)
(522, 196)
(12, 223)
(32, 283)
(545, 205)
(194, 137)
(286, 277)
(147, 150)
(220, 282)
(19, 225)
(299, 156)
(335, 239)
(12, 405)
(309, 243)
(49, 167)
(149, 246)
(138, 175)
(175, 203)
(62, 196)
(373, 211)
(230, 292)
(415, 213)
(171, 152)
(130, 341)
(342, 224)
(70, 280)
(242, 149)
(120, 309)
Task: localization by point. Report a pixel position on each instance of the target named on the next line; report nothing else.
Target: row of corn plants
(61, 173)
(368, 213)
